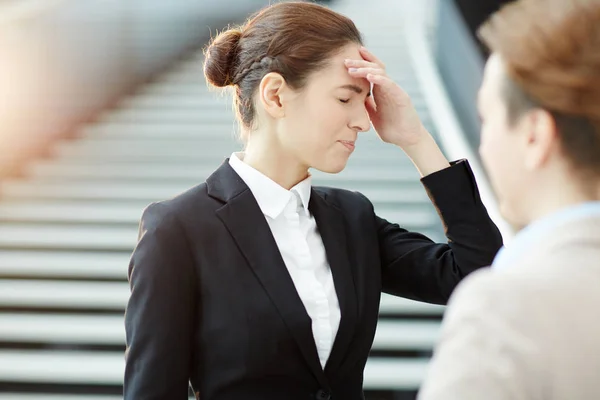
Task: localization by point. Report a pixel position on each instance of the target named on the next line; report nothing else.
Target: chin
(511, 216)
(332, 168)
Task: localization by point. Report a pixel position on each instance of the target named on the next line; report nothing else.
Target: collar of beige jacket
(566, 237)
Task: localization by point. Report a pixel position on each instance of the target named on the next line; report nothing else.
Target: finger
(371, 105)
(367, 55)
(360, 64)
(363, 72)
(378, 79)
(371, 111)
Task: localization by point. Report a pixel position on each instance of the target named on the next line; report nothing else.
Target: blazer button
(322, 395)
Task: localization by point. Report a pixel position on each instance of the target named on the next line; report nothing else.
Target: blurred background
(104, 109)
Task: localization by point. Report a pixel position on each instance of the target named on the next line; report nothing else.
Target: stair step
(114, 295)
(36, 236)
(82, 329)
(108, 171)
(62, 367)
(40, 236)
(109, 330)
(415, 217)
(107, 368)
(392, 305)
(69, 295)
(85, 329)
(145, 193)
(64, 264)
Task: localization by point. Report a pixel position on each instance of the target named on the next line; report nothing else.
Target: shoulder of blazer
(194, 200)
(344, 199)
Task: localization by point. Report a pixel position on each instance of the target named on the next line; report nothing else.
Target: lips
(349, 144)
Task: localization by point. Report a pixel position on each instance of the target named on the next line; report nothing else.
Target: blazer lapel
(247, 225)
(332, 227)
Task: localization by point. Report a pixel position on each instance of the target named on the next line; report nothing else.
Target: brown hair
(551, 51)
(293, 39)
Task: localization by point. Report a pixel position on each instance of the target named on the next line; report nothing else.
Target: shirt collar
(537, 230)
(270, 196)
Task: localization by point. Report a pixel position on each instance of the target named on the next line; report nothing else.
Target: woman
(255, 285)
(539, 103)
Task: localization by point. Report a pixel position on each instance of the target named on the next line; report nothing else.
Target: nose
(361, 121)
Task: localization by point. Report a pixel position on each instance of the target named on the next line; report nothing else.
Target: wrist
(426, 155)
(417, 143)
(407, 141)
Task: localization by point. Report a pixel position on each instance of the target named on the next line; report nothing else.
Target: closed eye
(345, 101)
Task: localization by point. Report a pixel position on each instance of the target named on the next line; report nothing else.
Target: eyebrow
(356, 89)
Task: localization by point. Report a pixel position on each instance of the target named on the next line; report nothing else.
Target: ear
(270, 90)
(542, 138)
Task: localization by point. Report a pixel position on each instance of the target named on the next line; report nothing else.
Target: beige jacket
(530, 331)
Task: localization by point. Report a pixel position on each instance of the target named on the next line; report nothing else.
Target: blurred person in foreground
(255, 285)
(528, 328)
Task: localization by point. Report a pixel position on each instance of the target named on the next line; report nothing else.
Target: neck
(562, 194)
(274, 163)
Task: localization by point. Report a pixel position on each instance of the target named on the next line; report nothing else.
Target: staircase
(67, 229)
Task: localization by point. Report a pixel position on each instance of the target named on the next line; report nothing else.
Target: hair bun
(221, 58)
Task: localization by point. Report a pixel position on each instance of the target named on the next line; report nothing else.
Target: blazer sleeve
(415, 267)
(488, 347)
(159, 317)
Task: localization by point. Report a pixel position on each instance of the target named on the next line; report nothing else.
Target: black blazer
(212, 302)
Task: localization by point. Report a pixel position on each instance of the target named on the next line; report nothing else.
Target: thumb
(371, 107)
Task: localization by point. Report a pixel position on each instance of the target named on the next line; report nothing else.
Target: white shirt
(301, 247)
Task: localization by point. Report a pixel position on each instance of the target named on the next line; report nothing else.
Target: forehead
(493, 76)
(335, 73)
(349, 51)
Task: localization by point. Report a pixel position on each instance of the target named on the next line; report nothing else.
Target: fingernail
(352, 69)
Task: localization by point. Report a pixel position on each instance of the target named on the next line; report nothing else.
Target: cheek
(496, 153)
(488, 146)
(299, 124)
(332, 113)
(314, 128)
(501, 158)
(330, 123)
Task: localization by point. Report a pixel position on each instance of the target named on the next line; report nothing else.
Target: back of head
(551, 51)
(293, 39)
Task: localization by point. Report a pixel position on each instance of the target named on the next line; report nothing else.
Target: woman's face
(322, 120)
(504, 148)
